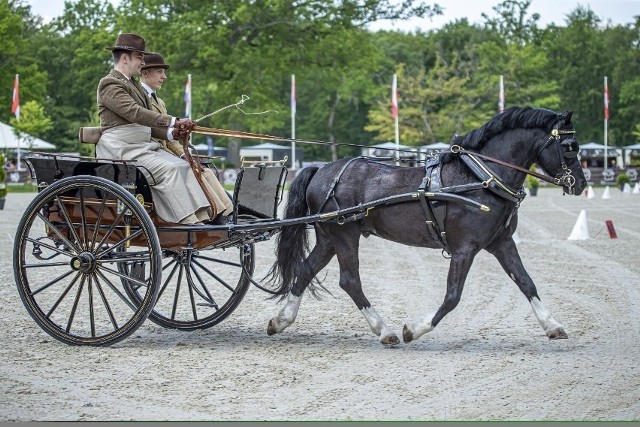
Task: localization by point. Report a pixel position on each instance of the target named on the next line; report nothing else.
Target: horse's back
(352, 181)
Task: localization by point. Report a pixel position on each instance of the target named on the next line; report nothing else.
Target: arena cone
(636, 188)
(626, 189)
(581, 228)
(590, 193)
(605, 193)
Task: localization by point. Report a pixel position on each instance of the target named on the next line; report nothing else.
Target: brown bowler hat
(154, 60)
(129, 41)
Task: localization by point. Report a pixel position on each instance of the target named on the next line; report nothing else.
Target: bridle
(567, 149)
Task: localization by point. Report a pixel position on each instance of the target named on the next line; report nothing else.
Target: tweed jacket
(122, 101)
(174, 147)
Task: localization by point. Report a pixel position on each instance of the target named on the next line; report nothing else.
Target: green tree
(33, 122)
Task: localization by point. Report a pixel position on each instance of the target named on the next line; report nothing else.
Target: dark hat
(130, 42)
(154, 60)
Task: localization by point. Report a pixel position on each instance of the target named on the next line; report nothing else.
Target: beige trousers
(177, 196)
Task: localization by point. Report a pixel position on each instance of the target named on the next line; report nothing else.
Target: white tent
(438, 146)
(9, 140)
(632, 147)
(388, 149)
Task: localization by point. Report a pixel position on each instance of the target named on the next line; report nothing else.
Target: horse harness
(435, 208)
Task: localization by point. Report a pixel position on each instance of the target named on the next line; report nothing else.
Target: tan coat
(174, 147)
(128, 125)
(222, 202)
(122, 101)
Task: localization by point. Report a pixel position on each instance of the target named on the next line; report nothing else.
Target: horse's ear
(566, 116)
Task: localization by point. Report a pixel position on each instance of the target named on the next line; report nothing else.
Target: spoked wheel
(69, 248)
(200, 288)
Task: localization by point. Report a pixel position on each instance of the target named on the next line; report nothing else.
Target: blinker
(570, 147)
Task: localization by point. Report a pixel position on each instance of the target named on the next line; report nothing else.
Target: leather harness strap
(434, 210)
(197, 172)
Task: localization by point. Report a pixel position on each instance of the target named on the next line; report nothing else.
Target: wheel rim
(68, 250)
(200, 288)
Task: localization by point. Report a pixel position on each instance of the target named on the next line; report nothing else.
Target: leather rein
(456, 149)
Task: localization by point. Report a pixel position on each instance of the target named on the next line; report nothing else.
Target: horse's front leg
(506, 253)
(458, 269)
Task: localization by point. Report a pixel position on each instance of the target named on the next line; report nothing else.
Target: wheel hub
(84, 262)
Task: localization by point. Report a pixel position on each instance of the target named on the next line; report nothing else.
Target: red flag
(606, 99)
(15, 105)
(394, 97)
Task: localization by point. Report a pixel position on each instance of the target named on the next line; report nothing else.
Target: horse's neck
(512, 147)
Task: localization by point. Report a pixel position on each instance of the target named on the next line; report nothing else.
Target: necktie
(155, 98)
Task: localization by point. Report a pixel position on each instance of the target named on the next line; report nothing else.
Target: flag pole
(501, 95)
(606, 119)
(187, 97)
(394, 114)
(15, 109)
(293, 121)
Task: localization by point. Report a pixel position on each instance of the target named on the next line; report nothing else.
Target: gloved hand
(182, 128)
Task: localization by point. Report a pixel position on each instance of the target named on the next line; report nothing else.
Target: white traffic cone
(590, 193)
(605, 193)
(626, 189)
(581, 228)
(636, 188)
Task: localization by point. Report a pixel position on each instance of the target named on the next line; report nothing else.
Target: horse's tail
(292, 244)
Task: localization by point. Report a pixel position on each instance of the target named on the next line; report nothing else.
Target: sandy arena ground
(487, 360)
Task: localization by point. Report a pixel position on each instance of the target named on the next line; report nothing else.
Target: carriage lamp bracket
(127, 221)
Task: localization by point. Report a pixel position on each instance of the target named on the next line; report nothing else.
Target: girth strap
(331, 193)
(434, 210)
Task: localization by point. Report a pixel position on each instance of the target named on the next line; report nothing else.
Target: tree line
(448, 78)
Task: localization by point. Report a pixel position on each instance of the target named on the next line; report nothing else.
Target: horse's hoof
(557, 334)
(271, 329)
(390, 340)
(407, 335)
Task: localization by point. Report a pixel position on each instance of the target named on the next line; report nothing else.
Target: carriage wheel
(70, 244)
(200, 288)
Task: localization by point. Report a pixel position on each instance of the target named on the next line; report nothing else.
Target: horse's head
(558, 156)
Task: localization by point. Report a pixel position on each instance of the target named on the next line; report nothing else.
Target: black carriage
(92, 260)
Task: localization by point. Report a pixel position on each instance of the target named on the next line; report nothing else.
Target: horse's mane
(511, 118)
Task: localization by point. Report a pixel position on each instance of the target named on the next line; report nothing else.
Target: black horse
(485, 168)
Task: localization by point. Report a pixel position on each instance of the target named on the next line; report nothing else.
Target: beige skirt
(175, 190)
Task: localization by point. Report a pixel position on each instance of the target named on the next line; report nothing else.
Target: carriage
(93, 261)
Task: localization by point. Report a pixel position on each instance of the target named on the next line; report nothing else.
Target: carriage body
(93, 260)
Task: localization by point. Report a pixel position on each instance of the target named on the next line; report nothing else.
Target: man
(153, 75)
(128, 124)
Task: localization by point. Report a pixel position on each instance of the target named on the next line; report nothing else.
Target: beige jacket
(174, 147)
(123, 101)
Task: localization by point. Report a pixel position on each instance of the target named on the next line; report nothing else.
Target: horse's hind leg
(347, 244)
(458, 269)
(507, 255)
(316, 261)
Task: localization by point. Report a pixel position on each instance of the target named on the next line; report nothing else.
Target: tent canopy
(9, 140)
(436, 146)
(632, 147)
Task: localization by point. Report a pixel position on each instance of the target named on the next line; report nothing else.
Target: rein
(249, 135)
(197, 172)
(456, 149)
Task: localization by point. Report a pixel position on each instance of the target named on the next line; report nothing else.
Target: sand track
(487, 360)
